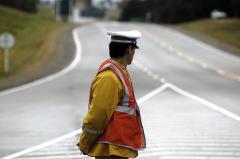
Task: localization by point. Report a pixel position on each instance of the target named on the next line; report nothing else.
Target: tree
(24, 5)
(174, 11)
(235, 8)
(133, 9)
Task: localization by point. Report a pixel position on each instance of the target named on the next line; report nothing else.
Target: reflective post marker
(7, 41)
(6, 60)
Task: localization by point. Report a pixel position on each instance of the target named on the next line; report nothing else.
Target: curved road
(199, 95)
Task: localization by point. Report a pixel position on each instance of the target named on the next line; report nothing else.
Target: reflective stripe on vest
(106, 142)
(124, 79)
(128, 110)
(92, 131)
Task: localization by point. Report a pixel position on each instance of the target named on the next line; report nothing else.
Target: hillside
(225, 31)
(36, 39)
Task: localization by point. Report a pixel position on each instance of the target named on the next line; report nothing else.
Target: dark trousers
(111, 157)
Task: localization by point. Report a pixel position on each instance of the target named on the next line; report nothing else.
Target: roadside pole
(57, 10)
(7, 41)
(64, 10)
(6, 60)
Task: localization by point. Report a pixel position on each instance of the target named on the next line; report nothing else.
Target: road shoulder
(61, 56)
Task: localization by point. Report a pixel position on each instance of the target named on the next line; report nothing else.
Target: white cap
(125, 37)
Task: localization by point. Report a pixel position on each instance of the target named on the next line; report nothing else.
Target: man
(112, 127)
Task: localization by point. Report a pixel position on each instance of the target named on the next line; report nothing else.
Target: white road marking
(163, 80)
(156, 77)
(59, 139)
(60, 157)
(152, 94)
(190, 59)
(163, 44)
(141, 100)
(185, 56)
(222, 72)
(205, 102)
(73, 64)
(187, 94)
(172, 49)
(190, 155)
(146, 70)
(76, 132)
(204, 65)
(43, 145)
(179, 53)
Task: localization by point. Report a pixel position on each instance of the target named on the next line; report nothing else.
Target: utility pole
(64, 9)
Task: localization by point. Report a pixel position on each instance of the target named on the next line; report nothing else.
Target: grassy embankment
(36, 36)
(225, 31)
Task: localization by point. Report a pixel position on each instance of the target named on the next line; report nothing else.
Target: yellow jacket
(107, 92)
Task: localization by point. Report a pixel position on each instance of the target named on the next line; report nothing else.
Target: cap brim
(136, 47)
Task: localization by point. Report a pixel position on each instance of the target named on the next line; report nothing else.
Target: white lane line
(187, 94)
(60, 157)
(171, 154)
(147, 71)
(163, 80)
(204, 65)
(179, 53)
(205, 102)
(76, 132)
(135, 61)
(187, 57)
(43, 145)
(141, 100)
(153, 93)
(71, 66)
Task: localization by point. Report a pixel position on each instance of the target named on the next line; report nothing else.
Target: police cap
(129, 37)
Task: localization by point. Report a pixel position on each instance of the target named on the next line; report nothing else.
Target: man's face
(131, 51)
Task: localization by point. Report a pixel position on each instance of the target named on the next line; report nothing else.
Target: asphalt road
(195, 70)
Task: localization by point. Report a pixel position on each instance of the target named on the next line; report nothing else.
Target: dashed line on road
(140, 101)
(189, 58)
(209, 104)
(70, 67)
(164, 86)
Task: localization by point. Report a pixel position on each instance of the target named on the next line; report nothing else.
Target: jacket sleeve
(105, 96)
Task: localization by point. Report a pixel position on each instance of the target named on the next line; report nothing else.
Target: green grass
(223, 30)
(46, 12)
(35, 36)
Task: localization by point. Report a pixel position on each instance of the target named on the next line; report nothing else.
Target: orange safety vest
(125, 126)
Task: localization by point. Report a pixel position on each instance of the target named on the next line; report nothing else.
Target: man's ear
(129, 49)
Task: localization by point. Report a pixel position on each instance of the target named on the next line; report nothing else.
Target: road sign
(7, 40)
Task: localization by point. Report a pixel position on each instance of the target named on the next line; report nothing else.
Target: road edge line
(48, 78)
(76, 132)
(205, 102)
(43, 145)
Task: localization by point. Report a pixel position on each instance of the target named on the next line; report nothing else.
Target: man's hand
(83, 151)
(87, 140)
